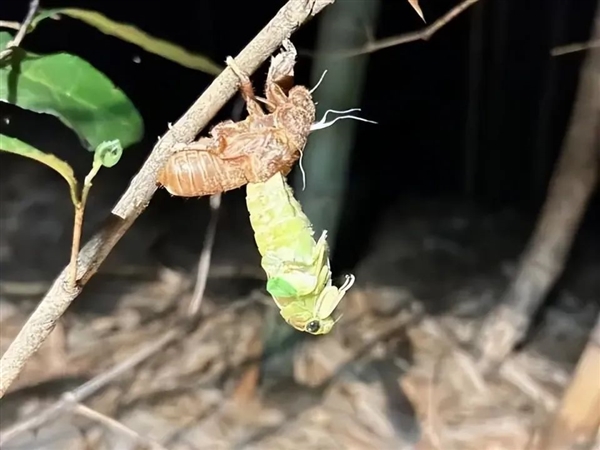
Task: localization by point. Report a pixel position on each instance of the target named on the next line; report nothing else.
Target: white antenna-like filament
(348, 283)
(302, 170)
(321, 124)
(318, 82)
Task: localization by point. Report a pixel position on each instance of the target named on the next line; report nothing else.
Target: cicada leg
(217, 142)
(276, 96)
(321, 253)
(246, 89)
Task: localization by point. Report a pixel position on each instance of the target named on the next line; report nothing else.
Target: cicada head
(307, 321)
(312, 313)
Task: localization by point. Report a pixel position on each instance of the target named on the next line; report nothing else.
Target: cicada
(297, 266)
(251, 150)
(259, 152)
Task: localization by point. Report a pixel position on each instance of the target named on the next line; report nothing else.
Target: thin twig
(10, 24)
(13, 43)
(420, 35)
(76, 243)
(209, 237)
(205, 256)
(572, 48)
(141, 189)
(70, 399)
(118, 426)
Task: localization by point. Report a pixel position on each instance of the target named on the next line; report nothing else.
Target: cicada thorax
(295, 113)
(281, 229)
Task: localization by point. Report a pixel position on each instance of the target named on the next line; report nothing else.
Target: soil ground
(395, 374)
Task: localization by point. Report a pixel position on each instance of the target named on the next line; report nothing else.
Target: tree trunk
(575, 424)
(572, 184)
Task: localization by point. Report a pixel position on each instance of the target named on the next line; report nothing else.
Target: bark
(572, 185)
(576, 421)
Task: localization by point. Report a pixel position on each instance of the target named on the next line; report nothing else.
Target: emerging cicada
(297, 267)
(260, 151)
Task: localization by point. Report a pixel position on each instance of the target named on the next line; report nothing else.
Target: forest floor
(396, 373)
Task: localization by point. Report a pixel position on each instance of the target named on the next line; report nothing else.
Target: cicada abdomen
(193, 173)
(215, 165)
(297, 266)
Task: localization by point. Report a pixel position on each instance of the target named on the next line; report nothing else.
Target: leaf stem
(79, 203)
(31, 12)
(75, 244)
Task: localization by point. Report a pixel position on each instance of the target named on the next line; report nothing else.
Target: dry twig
(421, 35)
(143, 185)
(10, 24)
(571, 187)
(33, 7)
(572, 48)
(71, 399)
(83, 410)
(205, 256)
(576, 423)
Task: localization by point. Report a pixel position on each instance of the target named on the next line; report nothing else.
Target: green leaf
(13, 145)
(129, 33)
(71, 89)
(280, 288)
(5, 37)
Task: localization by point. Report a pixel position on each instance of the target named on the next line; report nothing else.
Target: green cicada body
(297, 266)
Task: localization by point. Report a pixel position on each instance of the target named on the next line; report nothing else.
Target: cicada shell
(249, 151)
(192, 173)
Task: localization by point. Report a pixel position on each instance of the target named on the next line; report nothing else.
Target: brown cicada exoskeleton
(252, 150)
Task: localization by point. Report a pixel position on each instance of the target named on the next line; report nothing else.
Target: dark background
(485, 82)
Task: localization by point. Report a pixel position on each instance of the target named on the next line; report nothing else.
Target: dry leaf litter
(395, 374)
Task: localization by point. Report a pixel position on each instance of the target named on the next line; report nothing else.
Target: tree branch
(572, 48)
(31, 11)
(142, 187)
(420, 35)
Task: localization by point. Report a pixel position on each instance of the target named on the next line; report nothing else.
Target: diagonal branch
(419, 35)
(577, 47)
(22, 31)
(142, 187)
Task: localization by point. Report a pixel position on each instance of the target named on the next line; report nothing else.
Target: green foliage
(71, 89)
(108, 153)
(134, 35)
(84, 99)
(13, 145)
(81, 97)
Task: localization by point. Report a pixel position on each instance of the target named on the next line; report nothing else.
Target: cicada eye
(313, 326)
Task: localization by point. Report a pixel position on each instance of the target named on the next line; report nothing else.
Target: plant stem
(79, 204)
(31, 12)
(75, 244)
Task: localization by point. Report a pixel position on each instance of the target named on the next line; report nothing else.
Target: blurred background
(430, 208)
